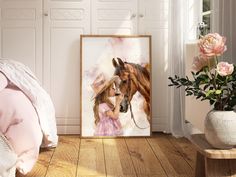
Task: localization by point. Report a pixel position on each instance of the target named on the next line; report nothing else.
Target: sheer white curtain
(176, 53)
(226, 26)
(184, 16)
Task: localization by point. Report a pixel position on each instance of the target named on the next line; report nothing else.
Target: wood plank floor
(159, 156)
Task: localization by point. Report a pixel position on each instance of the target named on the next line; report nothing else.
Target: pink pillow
(3, 81)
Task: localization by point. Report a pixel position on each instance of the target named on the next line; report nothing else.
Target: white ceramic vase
(220, 129)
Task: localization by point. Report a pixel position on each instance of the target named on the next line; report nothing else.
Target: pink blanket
(20, 125)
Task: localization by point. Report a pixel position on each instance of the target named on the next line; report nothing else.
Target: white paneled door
(21, 32)
(45, 35)
(153, 20)
(114, 16)
(141, 17)
(64, 22)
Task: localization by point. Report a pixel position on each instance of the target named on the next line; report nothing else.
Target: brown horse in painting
(134, 78)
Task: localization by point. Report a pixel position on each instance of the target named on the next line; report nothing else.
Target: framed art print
(115, 87)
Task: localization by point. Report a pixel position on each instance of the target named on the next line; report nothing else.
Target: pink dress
(107, 126)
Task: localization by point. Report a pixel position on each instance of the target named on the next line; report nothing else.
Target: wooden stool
(212, 162)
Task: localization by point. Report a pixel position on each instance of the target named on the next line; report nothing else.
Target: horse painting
(134, 78)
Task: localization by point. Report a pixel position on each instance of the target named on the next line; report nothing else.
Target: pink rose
(199, 62)
(212, 45)
(224, 68)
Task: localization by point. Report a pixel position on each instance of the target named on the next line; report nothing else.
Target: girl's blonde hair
(101, 98)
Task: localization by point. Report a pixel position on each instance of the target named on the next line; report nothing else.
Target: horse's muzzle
(124, 106)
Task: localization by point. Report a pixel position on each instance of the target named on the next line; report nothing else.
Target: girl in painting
(106, 114)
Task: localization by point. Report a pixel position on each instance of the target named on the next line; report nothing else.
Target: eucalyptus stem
(229, 93)
(215, 74)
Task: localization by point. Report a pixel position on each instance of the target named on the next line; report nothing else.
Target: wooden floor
(159, 156)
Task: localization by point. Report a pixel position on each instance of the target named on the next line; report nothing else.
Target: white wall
(194, 110)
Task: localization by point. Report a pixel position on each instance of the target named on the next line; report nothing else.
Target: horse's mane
(140, 70)
(142, 80)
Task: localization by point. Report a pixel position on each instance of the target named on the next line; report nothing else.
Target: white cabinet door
(21, 32)
(153, 20)
(114, 17)
(141, 17)
(64, 22)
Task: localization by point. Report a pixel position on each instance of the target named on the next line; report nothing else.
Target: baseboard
(189, 129)
(68, 129)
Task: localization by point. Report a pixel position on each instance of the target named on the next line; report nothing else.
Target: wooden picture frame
(126, 60)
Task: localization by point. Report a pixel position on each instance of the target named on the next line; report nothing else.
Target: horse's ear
(115, 64)
(129, 68)
(121, 62)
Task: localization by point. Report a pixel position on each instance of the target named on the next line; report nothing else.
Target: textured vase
(220, 129)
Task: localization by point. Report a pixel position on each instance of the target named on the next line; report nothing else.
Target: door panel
(18, 45)
(65, 73)
(114, 17)
(21, 33)
(153, 19)
(64, 22)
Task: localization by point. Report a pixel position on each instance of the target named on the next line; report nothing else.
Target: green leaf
(206, 86)
(193, 73)
(198, 96)
(217, 92)
(209, 93)
(188, 93)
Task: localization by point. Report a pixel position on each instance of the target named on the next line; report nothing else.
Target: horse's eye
(124, 81)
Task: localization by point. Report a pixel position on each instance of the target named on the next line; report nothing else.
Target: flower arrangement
(212, 80)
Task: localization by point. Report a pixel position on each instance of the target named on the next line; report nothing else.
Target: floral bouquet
(212, 80)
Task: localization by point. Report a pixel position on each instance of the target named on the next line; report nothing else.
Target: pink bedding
(20, 125)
